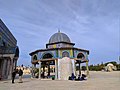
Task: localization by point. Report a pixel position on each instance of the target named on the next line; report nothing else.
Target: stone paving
(97, 81)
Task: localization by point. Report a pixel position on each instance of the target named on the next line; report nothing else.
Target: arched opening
(35, 57)
(47, 65)
(65, 54)
(47, 55)
(81, 56)
(78, 62)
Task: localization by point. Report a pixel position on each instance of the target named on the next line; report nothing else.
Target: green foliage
(94, 67)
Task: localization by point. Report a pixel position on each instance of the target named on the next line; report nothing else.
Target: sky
(91, 24)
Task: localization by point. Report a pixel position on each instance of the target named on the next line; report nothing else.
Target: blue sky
(91, 24)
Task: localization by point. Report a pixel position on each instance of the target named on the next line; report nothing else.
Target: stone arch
(81, 56)
(35, 57)
(65, 54)
(46, 63)
(47, 55)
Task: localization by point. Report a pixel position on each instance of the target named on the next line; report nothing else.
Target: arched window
(81, 56)
(47, 55)
(65, 54)
(35, 57)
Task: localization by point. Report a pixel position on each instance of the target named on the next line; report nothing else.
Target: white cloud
(91, 24)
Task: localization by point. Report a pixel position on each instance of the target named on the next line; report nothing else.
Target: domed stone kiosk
(60, 56)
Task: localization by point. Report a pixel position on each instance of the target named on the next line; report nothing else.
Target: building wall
(66, 67)
(70, 51)
(41, 54)
(59, 53)
(6, 36)
(8, 45)
(76, 52)
(59, 45)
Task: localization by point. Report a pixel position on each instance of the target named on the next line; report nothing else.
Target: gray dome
(59, 37)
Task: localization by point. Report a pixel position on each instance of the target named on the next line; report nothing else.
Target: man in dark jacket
(13, 75)
(20, 76)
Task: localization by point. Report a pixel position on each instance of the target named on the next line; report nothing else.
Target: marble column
(32, 70)
(56, 69)
(87, 68)
(34, 67)
(11, 68)
(43, 73)
(8, 67)
(48, 68)
(39, 70)
(79, 68)
(3, 68)
(15, 63)
(73, 67)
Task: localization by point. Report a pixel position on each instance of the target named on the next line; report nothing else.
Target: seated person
(78, 78)
(72, 77)
(83, 77)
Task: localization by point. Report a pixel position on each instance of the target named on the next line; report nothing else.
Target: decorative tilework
(71, 53)
(54, 46)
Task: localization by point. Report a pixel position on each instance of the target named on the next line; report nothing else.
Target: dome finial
(58, 30)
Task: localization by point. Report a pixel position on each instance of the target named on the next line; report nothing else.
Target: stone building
(110, 67)
(26, 70)
(9, 52)
(61, 53)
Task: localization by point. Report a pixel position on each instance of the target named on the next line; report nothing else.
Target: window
(81, 56)
(47, 55)
(65, 54)
(35, 57)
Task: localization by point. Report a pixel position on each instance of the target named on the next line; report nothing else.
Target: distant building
(26, 70)
(9, 52)
(61, 53)
(110, 67)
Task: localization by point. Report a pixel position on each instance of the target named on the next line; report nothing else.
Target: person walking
(13, 75)
(20, 72)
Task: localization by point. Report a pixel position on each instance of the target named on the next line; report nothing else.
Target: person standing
(20, 76)
(13, 75)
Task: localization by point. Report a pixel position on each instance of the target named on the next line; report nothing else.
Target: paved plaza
(97, 81)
